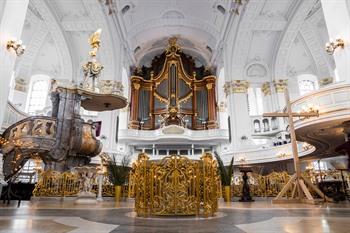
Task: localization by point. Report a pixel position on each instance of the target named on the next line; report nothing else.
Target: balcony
(173, 135)
(326, 131)
(266, 155)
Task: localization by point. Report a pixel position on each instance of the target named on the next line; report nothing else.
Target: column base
(134, 125)
(212, 125)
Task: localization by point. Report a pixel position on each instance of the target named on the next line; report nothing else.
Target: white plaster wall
(12, 21)
(337, 19)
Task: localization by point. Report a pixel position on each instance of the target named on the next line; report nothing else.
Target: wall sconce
(332, 45)
(16, 46)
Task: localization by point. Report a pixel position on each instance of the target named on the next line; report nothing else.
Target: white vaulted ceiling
(269, 39)
(198, 24)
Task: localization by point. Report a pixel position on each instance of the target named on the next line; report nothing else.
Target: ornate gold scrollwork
(174, 185)
(57, 184)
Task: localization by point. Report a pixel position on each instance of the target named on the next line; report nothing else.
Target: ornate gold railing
(57, 184)
(270, 185)
(262, 186)
(175, 185)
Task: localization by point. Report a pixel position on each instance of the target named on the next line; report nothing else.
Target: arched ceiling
(269, 39)
(198, 25)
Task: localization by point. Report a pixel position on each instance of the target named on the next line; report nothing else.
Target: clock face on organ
(173, 91)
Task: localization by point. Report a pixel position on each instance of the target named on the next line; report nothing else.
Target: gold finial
(95, 40)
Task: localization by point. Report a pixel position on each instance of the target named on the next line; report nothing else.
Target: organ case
(173, 92)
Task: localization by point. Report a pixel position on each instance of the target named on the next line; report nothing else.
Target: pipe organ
(173, 91)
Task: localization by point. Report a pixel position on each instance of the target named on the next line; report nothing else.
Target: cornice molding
(58, 36)
(241, 48)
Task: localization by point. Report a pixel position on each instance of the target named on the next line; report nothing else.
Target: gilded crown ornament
(173, 47)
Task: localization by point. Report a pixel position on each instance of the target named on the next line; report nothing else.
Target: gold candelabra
(332, 45)
(16, 46)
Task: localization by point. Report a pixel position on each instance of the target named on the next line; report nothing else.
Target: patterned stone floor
(257, 217)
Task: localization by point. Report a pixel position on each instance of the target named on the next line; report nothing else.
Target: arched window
(38, 91)
(307, 83)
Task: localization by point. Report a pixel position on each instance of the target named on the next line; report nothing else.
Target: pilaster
(11, 26)
(337, 19)
(236, 92)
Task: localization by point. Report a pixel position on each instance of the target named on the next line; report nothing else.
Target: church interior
(174, 116)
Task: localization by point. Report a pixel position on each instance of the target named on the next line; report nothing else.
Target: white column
(267, 98)
(279, 89)
(239, 116)
(338, 20)
(11, 26)
(100, 180)
(278, 92)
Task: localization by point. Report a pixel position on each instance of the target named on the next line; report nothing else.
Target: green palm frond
(225, 172)
(118, 174)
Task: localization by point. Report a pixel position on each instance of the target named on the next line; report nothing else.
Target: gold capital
(266, 88)
(136, 86)
(280, 85)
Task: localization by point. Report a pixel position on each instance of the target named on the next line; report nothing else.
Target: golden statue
(94, 41)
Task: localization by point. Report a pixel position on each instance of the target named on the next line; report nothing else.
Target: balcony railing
(332, 103)
(175, 135)
(12, 115)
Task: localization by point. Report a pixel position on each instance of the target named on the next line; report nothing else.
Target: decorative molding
(309, 33)
(57, 34)
(300, 11)
(236, 86)
(78, 26)
(238, 56)
(222, 106)
(269, 25)
(280, 85)
(24, 65)
(326, 81)
(21, 85)
(266, 88)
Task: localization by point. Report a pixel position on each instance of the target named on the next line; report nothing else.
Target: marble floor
(256, 217)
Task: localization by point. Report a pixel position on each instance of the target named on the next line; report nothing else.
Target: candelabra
(332, 45)
(16, 46)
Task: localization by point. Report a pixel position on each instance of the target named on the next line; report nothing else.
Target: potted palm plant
(226, 176)
(117, 174)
